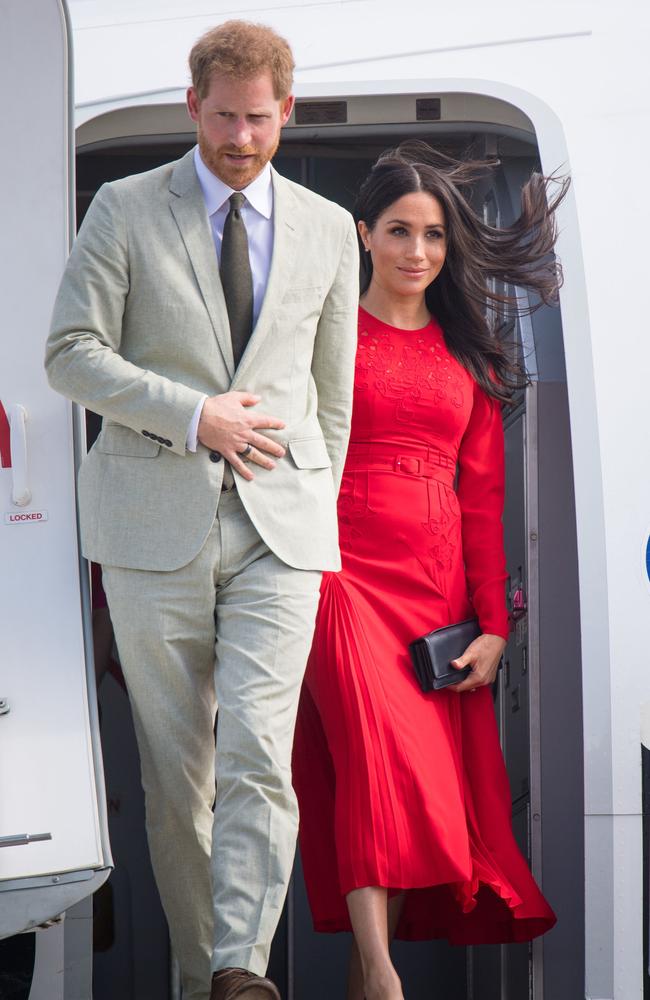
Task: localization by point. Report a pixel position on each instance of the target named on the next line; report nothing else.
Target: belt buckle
(407, 464)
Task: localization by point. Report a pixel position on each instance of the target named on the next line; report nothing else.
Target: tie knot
(236, 200)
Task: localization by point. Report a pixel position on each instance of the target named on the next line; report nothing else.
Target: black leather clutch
(431, 655)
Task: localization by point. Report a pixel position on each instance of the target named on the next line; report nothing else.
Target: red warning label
(26, 517)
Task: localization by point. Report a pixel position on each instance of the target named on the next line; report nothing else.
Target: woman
(404, 797)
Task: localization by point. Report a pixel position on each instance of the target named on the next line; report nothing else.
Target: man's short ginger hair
(242, 50)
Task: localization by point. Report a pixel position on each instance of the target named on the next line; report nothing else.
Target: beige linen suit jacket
(140, 331)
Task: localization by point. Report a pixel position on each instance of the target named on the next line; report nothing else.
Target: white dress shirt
(257, 215)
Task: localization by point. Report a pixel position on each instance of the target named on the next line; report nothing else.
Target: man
(215, 334)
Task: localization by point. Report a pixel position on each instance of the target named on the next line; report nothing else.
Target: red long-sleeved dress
(398, 788)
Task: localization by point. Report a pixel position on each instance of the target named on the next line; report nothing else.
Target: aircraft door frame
(54, 848)
(604, 863)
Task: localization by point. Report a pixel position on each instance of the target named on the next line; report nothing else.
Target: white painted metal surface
(50, 771)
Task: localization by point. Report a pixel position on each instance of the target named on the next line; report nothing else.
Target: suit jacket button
(167, 442)
(215, 456)
(147, 434)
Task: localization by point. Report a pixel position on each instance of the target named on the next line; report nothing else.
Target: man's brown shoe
(231, 984)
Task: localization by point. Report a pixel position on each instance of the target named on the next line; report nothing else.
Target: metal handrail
(20, 492)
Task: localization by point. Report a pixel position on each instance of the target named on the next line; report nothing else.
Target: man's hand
(228, 426)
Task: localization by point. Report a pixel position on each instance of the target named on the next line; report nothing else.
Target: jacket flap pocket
(310, 453)
(116, 440)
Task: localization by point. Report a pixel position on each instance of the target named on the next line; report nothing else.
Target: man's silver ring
(246, 452)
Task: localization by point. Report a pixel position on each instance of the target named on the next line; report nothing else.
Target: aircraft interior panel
(513, 680)
(559, 757)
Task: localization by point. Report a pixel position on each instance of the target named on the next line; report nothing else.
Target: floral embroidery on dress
(446, 536)
(443, 553)
(352, 507)
(408, 372)
(444, 525)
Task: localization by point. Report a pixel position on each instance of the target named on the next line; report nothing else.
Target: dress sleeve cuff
(493, 626)
(491, 611)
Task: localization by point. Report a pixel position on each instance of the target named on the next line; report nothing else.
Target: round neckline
(399, 329)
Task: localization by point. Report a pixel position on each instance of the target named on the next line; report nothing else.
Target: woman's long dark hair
(470, 311)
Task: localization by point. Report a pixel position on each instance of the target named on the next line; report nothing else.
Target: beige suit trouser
(232, 627)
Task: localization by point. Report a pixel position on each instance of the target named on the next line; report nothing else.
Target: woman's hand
(483, 656)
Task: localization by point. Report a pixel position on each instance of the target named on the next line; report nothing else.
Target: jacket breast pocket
(116, 440)
(309, 453)
(305, 294)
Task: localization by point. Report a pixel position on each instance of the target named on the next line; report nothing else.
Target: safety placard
(26, 517)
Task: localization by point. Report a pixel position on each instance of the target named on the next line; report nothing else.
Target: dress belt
(423, 462)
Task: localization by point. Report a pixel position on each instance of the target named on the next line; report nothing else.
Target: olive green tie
(236, 277)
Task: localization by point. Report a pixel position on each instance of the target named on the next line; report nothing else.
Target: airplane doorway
(538, 697)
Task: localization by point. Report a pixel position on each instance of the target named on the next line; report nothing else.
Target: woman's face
(408, 244)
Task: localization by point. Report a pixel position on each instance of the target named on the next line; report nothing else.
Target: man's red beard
(234, 175)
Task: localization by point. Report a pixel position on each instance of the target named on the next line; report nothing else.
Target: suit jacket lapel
(285, 245)
(188, 208)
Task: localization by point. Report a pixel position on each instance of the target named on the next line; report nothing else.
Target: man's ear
(287, 108)
(193, 103)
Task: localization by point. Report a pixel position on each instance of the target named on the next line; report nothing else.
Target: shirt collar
(259, 192)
